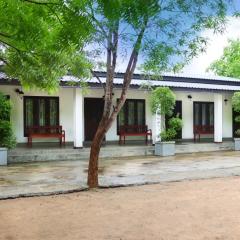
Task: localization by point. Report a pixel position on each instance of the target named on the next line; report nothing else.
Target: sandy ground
(200, 209)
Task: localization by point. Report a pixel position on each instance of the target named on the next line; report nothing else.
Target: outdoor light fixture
(19, 92)
(189, 97)
(225, 100)
(104, 95)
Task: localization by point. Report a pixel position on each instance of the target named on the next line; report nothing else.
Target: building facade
(201, 100)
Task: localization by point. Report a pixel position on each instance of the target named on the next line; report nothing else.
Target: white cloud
(217, 42)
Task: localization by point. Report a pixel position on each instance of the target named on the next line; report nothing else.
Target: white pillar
(156, 127)
(218, 117)
(78, 117)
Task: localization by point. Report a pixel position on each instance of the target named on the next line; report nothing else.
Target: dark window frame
(36, 110)
(135, 112)
(208, 109)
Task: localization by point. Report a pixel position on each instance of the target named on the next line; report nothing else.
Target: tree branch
(98, 78)
(40, 3)
(10, 45)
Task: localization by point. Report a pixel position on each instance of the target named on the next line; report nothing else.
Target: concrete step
(38, 155)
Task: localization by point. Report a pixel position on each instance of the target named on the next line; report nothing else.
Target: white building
(203, 101)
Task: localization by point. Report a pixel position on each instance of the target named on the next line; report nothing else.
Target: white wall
(187, 111)
(66, 110)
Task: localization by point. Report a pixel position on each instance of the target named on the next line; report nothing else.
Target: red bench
(202, 129)
(46, 132)
(134, 130)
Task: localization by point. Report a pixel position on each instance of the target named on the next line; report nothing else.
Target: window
(132, 113)
(40, 111)
(204, 113)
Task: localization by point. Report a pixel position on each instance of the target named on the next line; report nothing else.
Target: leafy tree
(163, 35)
(45, 39)
(7, 138)
(40, 41)
(229, 64)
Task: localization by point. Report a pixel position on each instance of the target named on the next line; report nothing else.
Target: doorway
(93, 110)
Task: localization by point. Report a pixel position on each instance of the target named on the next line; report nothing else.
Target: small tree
(163, 101)
(236, 107)
(7, 138)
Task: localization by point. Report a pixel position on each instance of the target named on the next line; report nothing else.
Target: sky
(215, 47)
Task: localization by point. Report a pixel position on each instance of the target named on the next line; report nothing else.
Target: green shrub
(168, 135)
(236, 107)
(176, 123)
(7, 138)
(163, 99)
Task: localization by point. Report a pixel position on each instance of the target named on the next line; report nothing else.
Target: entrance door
(93, 110)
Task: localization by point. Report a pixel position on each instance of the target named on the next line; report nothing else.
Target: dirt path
(203, 209)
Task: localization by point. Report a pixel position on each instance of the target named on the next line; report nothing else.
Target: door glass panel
(211, 114)
(140, 113)
(29, 112)
(204, 114)
(121, 119)
(197, 114)
(42, 112)
(131, 113)
(53, 112)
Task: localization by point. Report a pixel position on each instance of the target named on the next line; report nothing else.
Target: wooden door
(93, 110)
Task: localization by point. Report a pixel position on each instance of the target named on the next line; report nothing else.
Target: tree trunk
(108, 115)
(94, 155)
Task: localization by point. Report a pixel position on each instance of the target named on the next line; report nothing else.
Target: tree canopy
(229, 63)
(40, 41)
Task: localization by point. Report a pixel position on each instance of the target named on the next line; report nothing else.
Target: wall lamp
(19, 92)
(225, 100)
(189, 97)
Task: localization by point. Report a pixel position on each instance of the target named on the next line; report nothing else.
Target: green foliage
(168, 135)
(237, 132)
(236, 101)
(5, 107)
(43, 40)
(236, 107)
(7, 138)
(175, 124)
(237, 119)
(163, 99)
(229, 64)
(40, 41)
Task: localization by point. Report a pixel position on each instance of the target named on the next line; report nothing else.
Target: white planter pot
(3, 156)
(165, 149)
(237, 144)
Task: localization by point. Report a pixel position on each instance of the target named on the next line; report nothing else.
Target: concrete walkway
(66, 176)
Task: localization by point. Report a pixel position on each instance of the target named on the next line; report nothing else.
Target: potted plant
(236, 108)
(162, 102)
(7, 138)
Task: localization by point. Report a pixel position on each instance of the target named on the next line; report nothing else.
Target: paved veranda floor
(62, 176)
